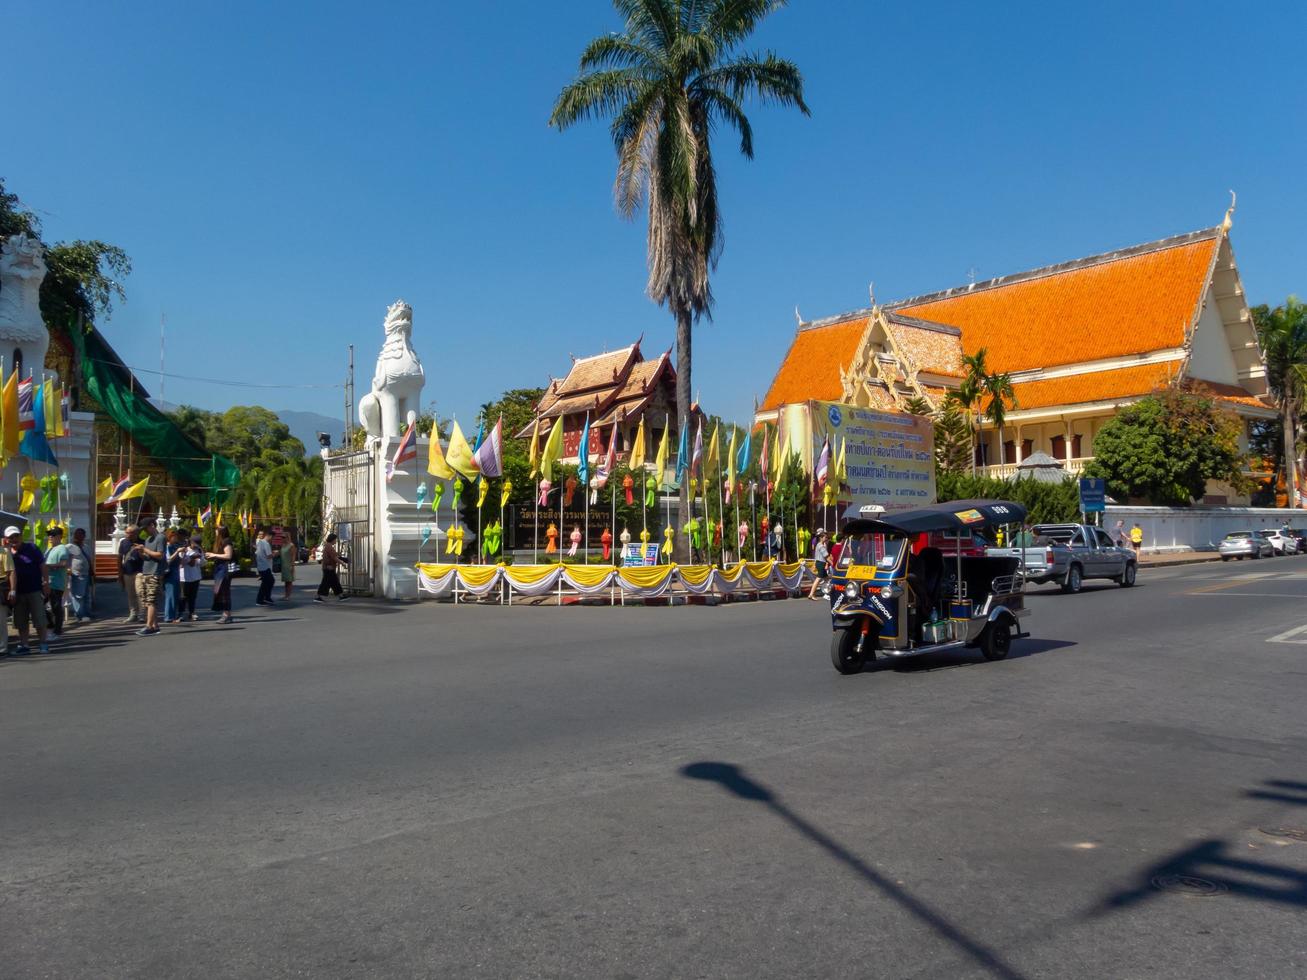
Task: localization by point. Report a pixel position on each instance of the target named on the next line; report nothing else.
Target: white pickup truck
(1070, 553)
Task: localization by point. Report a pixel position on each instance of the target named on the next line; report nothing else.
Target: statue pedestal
(398, 520)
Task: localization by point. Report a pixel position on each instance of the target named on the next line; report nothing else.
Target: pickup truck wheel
(997, 641)
(1127, 578)
(843, 651)
(1074, 579)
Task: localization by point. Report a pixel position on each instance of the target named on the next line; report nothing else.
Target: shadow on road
(950, 659)
(733, 780)
(1220, 867)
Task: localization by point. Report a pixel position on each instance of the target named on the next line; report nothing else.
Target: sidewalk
(1163, 559)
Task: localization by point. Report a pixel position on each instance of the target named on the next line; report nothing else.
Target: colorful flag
(217, 521)
(34, 444)
(608, 462)
(583, 454)
(636, 462)
(682, 453)
(552, 451)
(10, 415)
(764, 462)
(713, 459)
(489, 457)
(459, 454)
(117, 490)
(50, 404)
(696, 456)
(842, 465)
(664, 450)
(742, 460)
(63, 413)
(406, 450)
(535, 448)
(436, 464)
(777, 463)
(730, 464)
(104, 490)
(823, 463)
(26, 418)
(204, 515)
(133, 492)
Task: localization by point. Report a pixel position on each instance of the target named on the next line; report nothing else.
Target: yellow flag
(776, 461)
(637, 451)
(552, 451)
(712, 459)
(103, 490)
(664, 450)
(730, 457)
(459, 455)
(50, 407)
(59, 429)
(135, 490)
(217, 522)
(841, 465)
(436, 464)
(535, 448)
(10, 417)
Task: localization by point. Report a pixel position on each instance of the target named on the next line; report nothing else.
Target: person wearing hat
(821, 553)
(56, 568)
(30, 587)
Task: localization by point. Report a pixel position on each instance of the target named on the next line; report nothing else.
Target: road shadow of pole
(733, 780)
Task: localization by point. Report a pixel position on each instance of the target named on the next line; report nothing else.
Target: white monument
(24, 341)
(398, 514)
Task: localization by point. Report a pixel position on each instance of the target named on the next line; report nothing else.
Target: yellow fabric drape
(695, 575)
(646, 578)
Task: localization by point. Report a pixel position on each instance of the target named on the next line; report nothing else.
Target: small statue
(551, 536)
(569, 488)
(628, 484)
(606, 539)
(575, 538)
(545, 487)
(743, 532)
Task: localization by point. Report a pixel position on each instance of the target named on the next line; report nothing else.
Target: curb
(1173, 562)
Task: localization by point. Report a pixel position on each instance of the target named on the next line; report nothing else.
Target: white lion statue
(22, 331)
(398, 380)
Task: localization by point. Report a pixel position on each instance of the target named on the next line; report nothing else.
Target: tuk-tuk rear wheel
(843, 650)
(997, 641)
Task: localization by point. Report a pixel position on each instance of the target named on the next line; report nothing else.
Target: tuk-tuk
(887, 601)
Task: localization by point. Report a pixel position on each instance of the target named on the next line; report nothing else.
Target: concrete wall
(1179, 529)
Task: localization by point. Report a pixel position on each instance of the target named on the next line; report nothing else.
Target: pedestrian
(192, 570)
(56, 567)
(821, 554)
(80, 567)
(30, 587)
(172, 576)
(7, 599)
(1136, 537)
(129, 566)
(1120, 536)
(332, 559)
(224, 565)
(149, 580)
(263, 565)
(289, 554)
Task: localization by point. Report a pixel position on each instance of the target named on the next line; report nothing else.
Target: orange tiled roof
(811, 368)
(1229, 393)
(1112, 305)
(1094, 386)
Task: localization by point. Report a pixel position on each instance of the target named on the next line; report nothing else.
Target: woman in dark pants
(331, 562)
(222, 555)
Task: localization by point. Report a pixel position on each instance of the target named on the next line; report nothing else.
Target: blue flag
(742, 458)
(583, 451)
(34, 444)
(683, 453)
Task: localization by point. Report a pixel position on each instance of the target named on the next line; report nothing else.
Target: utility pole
(349, 400)
(163, 322)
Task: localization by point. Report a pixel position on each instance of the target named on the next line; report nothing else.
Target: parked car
(1244, 544)
(1282, 542)
(1070, 553)
(1301, 537)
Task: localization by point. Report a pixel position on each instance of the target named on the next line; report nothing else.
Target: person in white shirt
(263, 565)
(192, 569)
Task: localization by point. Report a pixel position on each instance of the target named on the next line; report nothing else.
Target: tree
(965, 399)
(1166, 447)
(251, 436)
(998, 391)
(667, 80)
(1282, 333)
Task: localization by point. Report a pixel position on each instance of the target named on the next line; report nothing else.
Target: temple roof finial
(1228, 223)
(797, 315)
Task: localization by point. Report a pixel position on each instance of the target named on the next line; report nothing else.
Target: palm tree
(997, 388)
(672, 75)
(967, 395)
(293, 490)
(1282, 333)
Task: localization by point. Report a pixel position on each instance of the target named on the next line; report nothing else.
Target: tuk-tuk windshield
(878, 550)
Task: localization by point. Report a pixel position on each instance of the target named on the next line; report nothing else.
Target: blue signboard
(1093, 496)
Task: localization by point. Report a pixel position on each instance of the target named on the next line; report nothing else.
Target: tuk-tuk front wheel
(844, 653)
(997, 641)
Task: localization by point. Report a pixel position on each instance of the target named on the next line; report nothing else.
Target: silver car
(1244, 544)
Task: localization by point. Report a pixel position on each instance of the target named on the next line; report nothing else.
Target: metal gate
(347, 482)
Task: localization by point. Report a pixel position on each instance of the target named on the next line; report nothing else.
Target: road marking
(1288, 636)
(1260, 595)
(1233, 582)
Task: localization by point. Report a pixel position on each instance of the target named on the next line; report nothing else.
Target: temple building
(612, 389)
(1080, 340)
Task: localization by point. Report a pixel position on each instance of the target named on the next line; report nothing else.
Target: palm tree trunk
(683, 364)
(1290, 452)
(980, 448)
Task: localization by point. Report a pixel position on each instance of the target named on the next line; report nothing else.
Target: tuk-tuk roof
(949, 516)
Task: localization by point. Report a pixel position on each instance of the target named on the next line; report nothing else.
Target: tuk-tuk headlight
(890, 591)
(851, 591)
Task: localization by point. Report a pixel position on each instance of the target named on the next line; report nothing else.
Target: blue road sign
(1093, 496)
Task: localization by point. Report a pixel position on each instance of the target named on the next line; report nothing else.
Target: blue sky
(280, 173)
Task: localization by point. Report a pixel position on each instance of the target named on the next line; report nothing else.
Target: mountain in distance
(305, 427)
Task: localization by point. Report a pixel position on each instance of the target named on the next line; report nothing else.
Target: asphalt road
(366, 790)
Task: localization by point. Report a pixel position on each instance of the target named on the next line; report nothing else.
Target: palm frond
(728, 22)
(721, 105)
(596, 94)
(619, 51)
